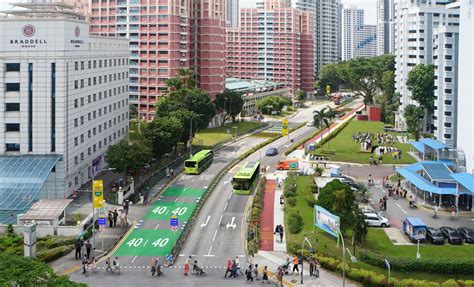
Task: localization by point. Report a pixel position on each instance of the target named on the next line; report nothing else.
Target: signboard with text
(174, 223)
(326, 220)
(284, 127)
(98, 193)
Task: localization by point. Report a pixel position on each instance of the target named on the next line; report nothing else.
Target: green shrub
(295, 222)
(314, 188)
(309, 198)
(450, 283)
(291, 201)
(52, 254)
(51, 242)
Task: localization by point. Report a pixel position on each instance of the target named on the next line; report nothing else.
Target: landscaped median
(216, 135)
(439, 265)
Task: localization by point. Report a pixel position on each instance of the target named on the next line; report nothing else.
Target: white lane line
(220, 219)
(226, 205)
(158, 225)
(230, 195)
(144, 244)
(210, 249)
(133, 260)
(401, 208)
(176, 199)
(214, 237)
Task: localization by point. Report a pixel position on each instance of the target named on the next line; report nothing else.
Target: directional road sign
(174, 223)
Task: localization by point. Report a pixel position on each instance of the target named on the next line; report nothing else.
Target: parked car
(467, 234)
(451, 235)
(434, 236)
(271, 151)
(373, 219)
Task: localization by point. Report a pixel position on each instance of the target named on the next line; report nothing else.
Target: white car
(373, 219)
(310, 124)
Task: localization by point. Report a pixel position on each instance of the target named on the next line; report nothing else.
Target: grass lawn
(376, 241)
(348, 150)
(216, 135)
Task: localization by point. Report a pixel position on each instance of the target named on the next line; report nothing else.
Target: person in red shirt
(229, 268)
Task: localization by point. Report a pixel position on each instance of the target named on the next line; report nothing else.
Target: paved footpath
(266, 217)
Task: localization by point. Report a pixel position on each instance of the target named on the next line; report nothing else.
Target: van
(287, 164)
(373, 219)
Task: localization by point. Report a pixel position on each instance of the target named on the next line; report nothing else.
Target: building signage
(28, 31)
(77, 33)
(326, 220)
(98, 191)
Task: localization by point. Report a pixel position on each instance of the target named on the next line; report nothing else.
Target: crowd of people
(379, 144)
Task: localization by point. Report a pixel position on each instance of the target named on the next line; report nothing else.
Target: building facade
(326, 33)
(166, 36)
(446, 61)
(465, 115)
(415, 24)
(273, 43)
(63, 94)
(385, 26)
(232, 9)
(358, 40)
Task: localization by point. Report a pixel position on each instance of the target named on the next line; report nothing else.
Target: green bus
(244, 180)
(198, 162)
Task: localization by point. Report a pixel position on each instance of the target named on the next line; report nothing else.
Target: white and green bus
(198, 162)
(243, 182)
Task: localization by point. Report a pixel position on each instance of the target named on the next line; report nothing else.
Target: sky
(369, 7)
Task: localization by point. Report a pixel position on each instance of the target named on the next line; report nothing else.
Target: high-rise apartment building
(465, 106)
(340, 7)
(358, 40)
(385, 26)
(63, 102)
(446, 61)
(414, 32)
(274, 42)
(166, 36)
(232, 13)
(326, 33)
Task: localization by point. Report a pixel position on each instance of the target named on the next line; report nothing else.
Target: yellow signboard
(284, 127)
(98, 193)
(328, 89)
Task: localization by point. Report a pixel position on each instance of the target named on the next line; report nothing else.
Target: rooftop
(46, 209)
(241, 85)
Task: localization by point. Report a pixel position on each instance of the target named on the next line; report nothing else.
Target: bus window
(190, 164)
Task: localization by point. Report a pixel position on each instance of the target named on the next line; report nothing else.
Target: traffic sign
(102, 221)
(169, 257)
(174, 222)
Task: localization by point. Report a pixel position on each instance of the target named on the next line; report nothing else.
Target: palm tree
(187, 77)
(324, 117)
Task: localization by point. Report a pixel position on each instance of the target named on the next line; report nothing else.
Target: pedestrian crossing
(166, 267)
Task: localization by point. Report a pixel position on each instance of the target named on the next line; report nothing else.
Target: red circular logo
(77, 31)
(28, 30)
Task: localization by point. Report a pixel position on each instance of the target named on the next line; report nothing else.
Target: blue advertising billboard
(326, 220)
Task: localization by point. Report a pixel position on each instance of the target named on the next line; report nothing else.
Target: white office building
(385, 27)
(415, 24)
(465, 114)
(358, 40)
(446, 60)
(63, 102)
(232, 13)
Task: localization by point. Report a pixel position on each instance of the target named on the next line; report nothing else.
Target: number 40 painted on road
(136, 242)
(164, 210)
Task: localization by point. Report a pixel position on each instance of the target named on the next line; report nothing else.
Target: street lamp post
(305, 239)
(93, 209)
(191, 134)
(343, 258)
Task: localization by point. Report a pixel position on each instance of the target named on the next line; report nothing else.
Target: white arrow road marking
(401, 208)
(227, 181)
(231, 224)
(207, 220)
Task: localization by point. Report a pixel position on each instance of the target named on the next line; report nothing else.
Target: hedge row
(374, 279)
(406, 264)
(253, 240)
(301, 142)
(333, 134)
(52, 254)
(259, 146)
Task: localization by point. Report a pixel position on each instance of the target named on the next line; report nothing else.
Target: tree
(231, 103)
(421, 84)
(187, 77)
(413, 117)
(21, 271)
(133, 112)
(324, 117)
(273, 103)
(359, 226)
(362, 75)
(164, 134)
(388, 100)
(301, 95)
(329, 74)
(128, 157)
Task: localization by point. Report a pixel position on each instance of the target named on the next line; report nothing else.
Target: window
(12, 107)
(76, 161)
(82, 83)
(88, 151)
(76, 123)
(82, 120)
(89, 134)
(448, 102)
(82, 101)
(12, 87)
(12, 67)
(12, 147)
(447, 136)
(82, 138)
(94, 148)
(76, 103)
(82, 65)
(447, 125)
(76, 66)
(76, 141)
(448, 114)
(100, 63)
(12, 127)
(82, 156)
(89, 64)
(95, 64)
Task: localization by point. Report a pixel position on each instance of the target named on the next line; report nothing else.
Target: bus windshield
(242, 184)
(189, 163)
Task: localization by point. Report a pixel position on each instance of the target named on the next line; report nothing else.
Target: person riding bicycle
(196, 269)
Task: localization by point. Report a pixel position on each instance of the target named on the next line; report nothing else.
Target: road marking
(133, 260)
(232, 224)
(214, 237)
(230, 195)
(158, 225)
(228, 180)
(207, 220)
(210, 249)
(220, 219)
(401, 208)
(176, 199)
(144, 244)
(226, 205)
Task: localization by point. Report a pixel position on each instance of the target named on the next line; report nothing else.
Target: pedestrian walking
(123, 219)
(280, 277)
(187, 264)
(280, 232)
(116, 265)
(237, 261)
(265, 275)
(93, 264)
(78, 246)
(249, 273)
(229, 268)
(167, 172)
(296, 262)
(172, 172)
(385, 203)
(153, 266)
(145, 198)
(110, 216)
(107, 263)
(88, 249)
(255, 272)
(282, 200)
(311, 266)
(115, 213)
(84, 262)
(234, 269)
